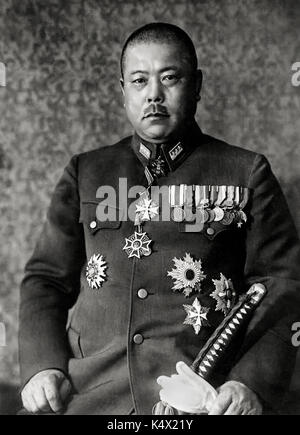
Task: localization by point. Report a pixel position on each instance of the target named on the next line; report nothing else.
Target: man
(148, 292)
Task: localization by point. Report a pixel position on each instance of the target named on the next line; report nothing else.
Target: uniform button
(210, 231)
(142, 293)
(93, 224)
(138, 339)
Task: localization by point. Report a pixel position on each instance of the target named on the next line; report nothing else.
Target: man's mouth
(156, 115)
(156, 111)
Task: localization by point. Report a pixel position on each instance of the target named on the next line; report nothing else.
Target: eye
(170, 78)
(139, 81)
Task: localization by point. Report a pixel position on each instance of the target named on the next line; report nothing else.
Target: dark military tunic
(121, 337)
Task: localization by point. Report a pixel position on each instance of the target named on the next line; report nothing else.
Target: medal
(189, 203)
(241, 218)
(213, 195)
(146, 209)
(205, 216)
(229, 201)
(137, 245)
(176, 199)
(187, 275)
(158, 167)
(211, 216)
(224, 294)
(202, 202)
(228, 218)
(178, 214)
(202, 196)
(189, 196)
(219, 214)
(243, 197)
(237, 196)
(95, 271)
(202, 215)
(221, 196)
(196, 316)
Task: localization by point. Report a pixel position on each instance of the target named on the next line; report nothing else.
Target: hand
(46, 392)
(235, 398)
(186, 391)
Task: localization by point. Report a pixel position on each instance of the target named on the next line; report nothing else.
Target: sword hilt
(215, 347)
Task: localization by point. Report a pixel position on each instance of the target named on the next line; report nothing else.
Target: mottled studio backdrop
(62, 97)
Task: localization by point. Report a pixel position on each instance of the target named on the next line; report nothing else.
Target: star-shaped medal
(196, 316)
(224, 294)
(187, 274)
(241, 218)
(95, 271)
(146, 209)
(137, 245)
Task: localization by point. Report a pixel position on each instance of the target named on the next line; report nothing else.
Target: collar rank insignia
(175, 151)
(196, 316)
(187, 274)
(146, 209)
(224, 294)
(95, 271)
(137, 245)
(145, 151)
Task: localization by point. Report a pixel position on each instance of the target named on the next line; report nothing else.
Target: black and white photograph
(149, 210)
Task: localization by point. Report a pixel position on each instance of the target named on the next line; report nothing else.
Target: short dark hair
(161, 33)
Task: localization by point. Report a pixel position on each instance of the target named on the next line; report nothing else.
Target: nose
(155, 91)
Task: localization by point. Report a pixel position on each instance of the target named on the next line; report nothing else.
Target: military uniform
(136, 321)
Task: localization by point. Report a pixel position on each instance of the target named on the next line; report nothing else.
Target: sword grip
(215, 347)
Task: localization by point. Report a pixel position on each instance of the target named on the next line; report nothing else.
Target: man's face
(160, 90)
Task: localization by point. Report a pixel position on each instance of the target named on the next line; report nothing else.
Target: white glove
(187, 391)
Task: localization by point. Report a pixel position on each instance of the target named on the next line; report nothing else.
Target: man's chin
(156, 134)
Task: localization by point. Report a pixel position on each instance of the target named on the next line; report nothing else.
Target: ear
(199, 79)
(122, 86)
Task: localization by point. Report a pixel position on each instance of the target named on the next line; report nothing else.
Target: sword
(209, 356)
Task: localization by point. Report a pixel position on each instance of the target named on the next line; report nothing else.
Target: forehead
(155, 56)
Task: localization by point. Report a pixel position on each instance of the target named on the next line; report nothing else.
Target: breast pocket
(100, 216)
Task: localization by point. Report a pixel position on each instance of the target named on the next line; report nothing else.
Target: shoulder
(220, 163)
(225, 151)
(104, 155)
(232, 160)
(106, 152)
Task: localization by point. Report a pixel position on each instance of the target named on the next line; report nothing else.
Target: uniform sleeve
(52, 281)
(265, 363)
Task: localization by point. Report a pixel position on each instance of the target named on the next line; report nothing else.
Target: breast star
(196, 315)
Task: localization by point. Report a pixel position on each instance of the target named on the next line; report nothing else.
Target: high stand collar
(172, 153)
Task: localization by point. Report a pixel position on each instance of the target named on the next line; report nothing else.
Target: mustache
(155, 109)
